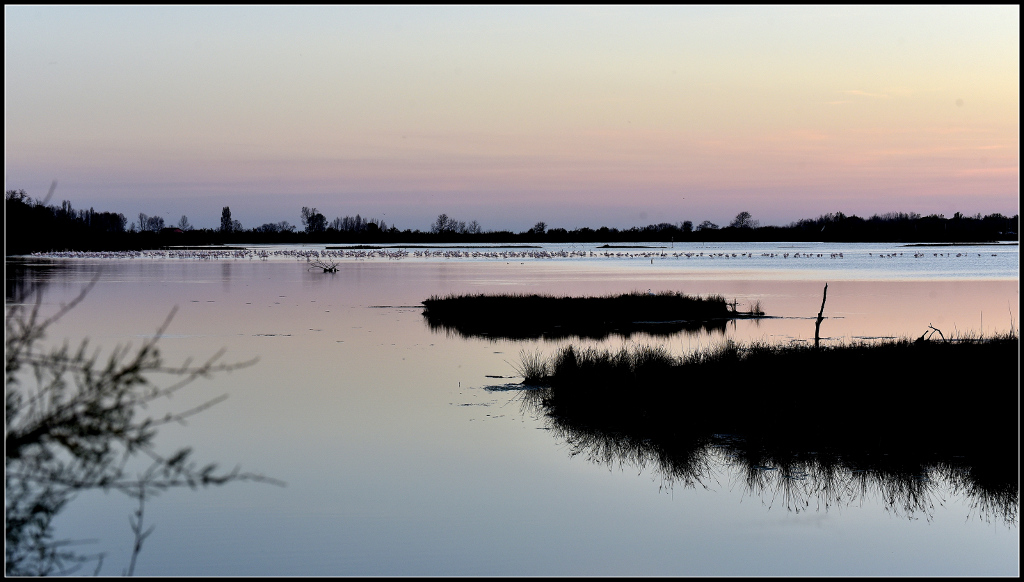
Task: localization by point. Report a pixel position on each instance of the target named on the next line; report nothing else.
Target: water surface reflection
(803, 474)
(623, 330)
(417, 471)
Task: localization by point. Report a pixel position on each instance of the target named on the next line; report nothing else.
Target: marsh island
(520, 316)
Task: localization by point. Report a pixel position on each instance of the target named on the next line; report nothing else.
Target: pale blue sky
(578, 116)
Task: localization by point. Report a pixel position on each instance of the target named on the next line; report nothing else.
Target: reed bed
(761, 383)
(518, 316)
(889, 414)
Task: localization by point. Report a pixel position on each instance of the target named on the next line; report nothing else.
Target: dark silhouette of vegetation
(75, 423)
(821, 316)
(275, 227)
(33, 226)
(150, 223)
(227, 226)
(865, 381)
(356, 224)
(446, 226)
(313, 221)
(898, 409)
(800, 474)
(515, 316)
(744, 220)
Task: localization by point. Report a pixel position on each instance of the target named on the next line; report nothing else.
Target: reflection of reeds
(687, 462)
(829, 478)
(887, 419)
(989, 494)
(533, 316)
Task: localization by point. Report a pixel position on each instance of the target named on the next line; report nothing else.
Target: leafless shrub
(73, 423)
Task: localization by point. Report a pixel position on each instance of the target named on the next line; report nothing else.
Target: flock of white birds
(396, 253)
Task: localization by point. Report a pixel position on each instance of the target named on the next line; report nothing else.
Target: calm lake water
(405, 453)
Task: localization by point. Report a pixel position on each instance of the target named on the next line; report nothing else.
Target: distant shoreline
(33, 226)
(437, 246)
(964, 244)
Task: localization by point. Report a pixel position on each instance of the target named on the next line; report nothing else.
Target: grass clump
(532, 367)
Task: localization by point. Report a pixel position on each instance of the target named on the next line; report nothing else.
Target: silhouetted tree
(313, 221)
(744, 220)
(20, 196)
(350, 224)
(225, 220)
(146, 223)
(183, 224)
(446, 224)
(273, 227)
(707, 225)
(687, 226)
(441, 224)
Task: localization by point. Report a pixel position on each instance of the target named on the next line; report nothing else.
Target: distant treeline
(32, 225)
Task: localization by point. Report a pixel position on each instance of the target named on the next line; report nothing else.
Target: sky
(509, 115)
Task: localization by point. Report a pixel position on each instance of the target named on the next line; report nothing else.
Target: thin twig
(136, 526)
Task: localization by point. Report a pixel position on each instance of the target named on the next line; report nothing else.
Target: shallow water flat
(399, 461)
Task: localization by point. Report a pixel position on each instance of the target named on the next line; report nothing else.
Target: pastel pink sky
(589, 116)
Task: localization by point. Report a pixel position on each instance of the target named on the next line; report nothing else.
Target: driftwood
(935, 330)
(327, 266)
(817, 324)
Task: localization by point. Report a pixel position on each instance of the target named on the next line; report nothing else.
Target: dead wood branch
(817, 324)
(327, 266)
